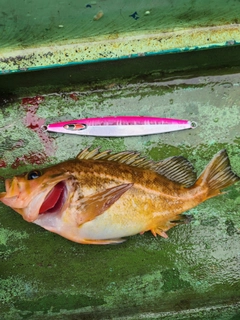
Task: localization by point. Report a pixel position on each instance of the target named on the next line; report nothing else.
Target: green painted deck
(194, 273)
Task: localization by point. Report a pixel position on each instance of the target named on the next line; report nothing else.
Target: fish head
(37, 192)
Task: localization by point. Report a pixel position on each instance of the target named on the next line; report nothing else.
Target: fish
(101, 197)
(120, 126)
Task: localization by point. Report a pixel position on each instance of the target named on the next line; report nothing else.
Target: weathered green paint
(154, 68)
(45, 35)
(193, 274)
(32, 23)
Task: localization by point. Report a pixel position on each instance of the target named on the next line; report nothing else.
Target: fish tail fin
(217, 175)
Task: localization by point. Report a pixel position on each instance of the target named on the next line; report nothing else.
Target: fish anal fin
(158, 231)
(94, 205)
(168, 224)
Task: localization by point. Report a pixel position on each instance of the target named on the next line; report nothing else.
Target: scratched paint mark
(35, 123)
(135, 15)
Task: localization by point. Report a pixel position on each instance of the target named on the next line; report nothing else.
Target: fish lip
(58, 206)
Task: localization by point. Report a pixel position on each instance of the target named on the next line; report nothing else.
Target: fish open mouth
(54, 199)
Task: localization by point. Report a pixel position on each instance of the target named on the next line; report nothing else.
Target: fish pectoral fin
(94, 205)
(103, 242)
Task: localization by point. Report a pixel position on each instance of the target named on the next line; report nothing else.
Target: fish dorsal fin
(177, 169)
(128, 157)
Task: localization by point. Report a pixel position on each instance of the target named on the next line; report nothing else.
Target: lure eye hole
(34, 174)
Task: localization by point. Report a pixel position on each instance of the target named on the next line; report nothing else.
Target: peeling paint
(121, 47)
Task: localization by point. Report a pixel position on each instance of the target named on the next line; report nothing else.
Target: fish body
(99, 197)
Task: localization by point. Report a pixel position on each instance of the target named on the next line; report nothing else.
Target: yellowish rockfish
(100, 197)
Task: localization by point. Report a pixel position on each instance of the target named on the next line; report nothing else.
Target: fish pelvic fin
(217, 175)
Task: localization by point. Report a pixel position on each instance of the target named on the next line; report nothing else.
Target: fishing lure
(120, 126)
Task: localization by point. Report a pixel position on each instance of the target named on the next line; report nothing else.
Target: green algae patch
(16, 288)
(7, 236)
(172, 281)
(11, 241)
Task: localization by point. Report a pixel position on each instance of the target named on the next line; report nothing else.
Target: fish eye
(34, 174)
